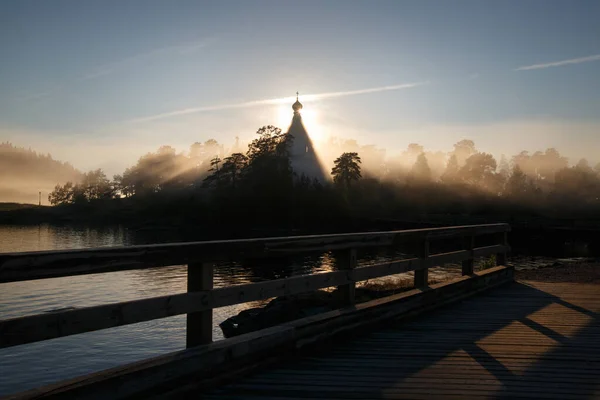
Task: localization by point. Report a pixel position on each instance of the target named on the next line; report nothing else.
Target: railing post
(501, 256)
(422, 275)
(199, 324)
(468, 264)
(347, 292)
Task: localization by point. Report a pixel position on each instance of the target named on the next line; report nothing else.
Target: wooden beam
(346, 292)
(501, 255)
(51, 264)
(422, 275)
(385, 269)
(199, 323)
(468, 264)
(489, 250)
(51, 325)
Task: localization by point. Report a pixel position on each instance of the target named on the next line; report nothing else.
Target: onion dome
(297, 106)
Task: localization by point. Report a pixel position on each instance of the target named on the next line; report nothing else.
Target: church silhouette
(304, 160)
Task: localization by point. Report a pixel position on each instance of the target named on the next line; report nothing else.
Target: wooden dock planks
(524, 340)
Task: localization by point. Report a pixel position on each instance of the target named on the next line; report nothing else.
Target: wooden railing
(201, 298)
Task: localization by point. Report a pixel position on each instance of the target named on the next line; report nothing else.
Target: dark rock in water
(277, 311)
(288, 308)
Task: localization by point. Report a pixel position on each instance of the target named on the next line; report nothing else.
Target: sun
(310, 119)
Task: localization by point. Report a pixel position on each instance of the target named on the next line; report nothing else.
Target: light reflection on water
(32, 365)
(28, 366)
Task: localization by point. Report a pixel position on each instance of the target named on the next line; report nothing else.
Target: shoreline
(584, 271)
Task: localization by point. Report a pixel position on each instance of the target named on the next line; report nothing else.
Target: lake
(27, 366)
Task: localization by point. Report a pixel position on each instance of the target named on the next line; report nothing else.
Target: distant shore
(577, 272)
(532, 235)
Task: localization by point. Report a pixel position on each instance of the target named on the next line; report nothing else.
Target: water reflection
(32, 365)
(47, 237)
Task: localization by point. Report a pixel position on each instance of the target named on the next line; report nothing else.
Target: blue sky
(101, 83)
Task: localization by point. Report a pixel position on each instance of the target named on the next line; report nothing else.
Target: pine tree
(346, 169)
(451, 174)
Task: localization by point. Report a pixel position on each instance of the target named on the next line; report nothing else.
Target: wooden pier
(523, 340)
(435, 340)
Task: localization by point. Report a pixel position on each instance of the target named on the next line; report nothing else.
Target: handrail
(201, 297)
(23, 266)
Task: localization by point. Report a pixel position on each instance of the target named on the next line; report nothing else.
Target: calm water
(40, 363)
(28, 366)
(32, 365)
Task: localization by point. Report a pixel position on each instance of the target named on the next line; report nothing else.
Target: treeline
(259, 186)
(24, 172)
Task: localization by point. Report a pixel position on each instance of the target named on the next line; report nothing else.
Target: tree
(163, 170)
(451, 174)
(504, 167)
(541, 166)
(517, 183)
(233, 167)
(346, 169)
(122, 184)
(409, 156)
(61, 194)
(525, 163)
(413, 150)
(215, 177)
(420, 172)
(166, 150)
(579, 182)
(269, 141)
(584, 166)
(477, 168)
(269, 165)
(127, 185)
(463, 150)
(95, 185)
(437, 163)
(202, 153)
(117, 185)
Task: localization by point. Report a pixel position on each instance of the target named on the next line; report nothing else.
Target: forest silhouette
(239, 189)
(24, 173)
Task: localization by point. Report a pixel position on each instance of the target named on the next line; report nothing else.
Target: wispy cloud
(181, 49)
(33, 96)
(580, 60)
(281, 100)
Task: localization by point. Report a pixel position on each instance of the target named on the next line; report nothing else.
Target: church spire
(297, 106)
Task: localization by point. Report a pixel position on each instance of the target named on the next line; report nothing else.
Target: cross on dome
(297, 106)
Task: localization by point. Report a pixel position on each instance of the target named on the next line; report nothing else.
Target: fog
(164, 161)
(24, 173)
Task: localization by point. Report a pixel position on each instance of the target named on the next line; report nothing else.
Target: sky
(101, 83)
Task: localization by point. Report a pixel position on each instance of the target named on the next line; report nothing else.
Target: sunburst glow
(310, 119)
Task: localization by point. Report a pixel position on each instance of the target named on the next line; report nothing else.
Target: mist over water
(24, 173)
